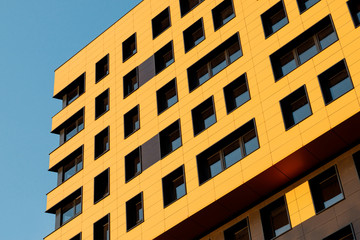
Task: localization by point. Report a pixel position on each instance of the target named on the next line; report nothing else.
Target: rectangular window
(131, 121)
(129, 47)
(170, 139)
(354, 8)
(335, 82)
(102, 68)
(236, 93)
(70, 127)
(71, 92)
(174, 186)
(193, 35)
(134, 212)
(239, 231)
(203, 116)
(77, 237)
(166, 96)
(131, 82)
(164, 57)
(306, 4)
(223, 13)
(161, 22)
(102, 142)
(133, 164)
(356, 158)
(295, 107)
(227, 151)
(101, 186)
(346, 233)
(187, 5)
(102, 104)
(275, 219)
(274, 19)
(214, 62)
(326, 189)
(70, 165)
(102, 228)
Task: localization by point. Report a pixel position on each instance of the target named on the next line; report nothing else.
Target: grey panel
(146, 70)
(150, 152)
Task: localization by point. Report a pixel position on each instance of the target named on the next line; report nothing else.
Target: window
(72, 91)
(102, 143)
(131, 82)
(306, 4)
(133, 164)
(203, 116)
(102, 68)
(356, 158)
(214, 62)
(131, 121)
(102, 228)
(346, 233)
(166, 96)
(295, 107)
(161, 22)
(164, 57)
(174, 186)
(335, 82)
(70, 127)
(77, 237)
(170, 139)
(102, 104)
(187, 5)
(223, 13)
(134, 212)
(325, 189)
(227, 151)
(274, 19)
(354, 7)
(236, 93)
(239, 231)
(101, 186)
(275, 219)
(194, 35)
(129, 47)
(303, 48)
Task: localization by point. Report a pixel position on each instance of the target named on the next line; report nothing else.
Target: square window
(306, 4)
(131, 82)
(325, 189)
(174, 186)
(356, 158)
(295, 107)
(102, 104)
(77, 237)
(102, 228)
(166, 96)
(203, 116)
(170, 139)
(134, 212)
(131, 121)
(335, 82)
(274, 19)
(129, 47)
(101, 186)
(102, 142)
(164, 57)
(223, 13)
(346, 233)
(239, 231)
(275, 219)
(102, 68)
(161, 22)
(354, 8)
(193, 35)
(187, 5)
(133, 164)
(236, 93)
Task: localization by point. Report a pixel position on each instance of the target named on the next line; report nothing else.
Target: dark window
(131, 121)
(102, 68)
(295, 107)
(356, 157)
(187, 5)
(72, 91)
(166, 96)
(102, 104)
(346, 233)
(77, 237)
(214, 62)
(274, 19)
(203, 116)
(134, 212)
(227, 151)
(129, 47)
(164, 57)
(354, 7)
(236, 93)
(335, 82)
(133, 164)
(170, 139)
(194, 35)
(70, 165)
(306, 4)
(131, 82)
(101, 186)
(102, 142)
(239, 231)
(303, 48)
(70, 210)
(70, 127)
(275, 219)
(102, 228)
(174, 186)
(325, 189)
(223, 13)
(161, 22)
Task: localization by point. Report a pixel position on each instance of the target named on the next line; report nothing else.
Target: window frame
(99, 226)
(157, 20)
(169, 188)
(229, 93)
(160, 56)
(129, 162)
(216, 13)
(131, 208)
(78, 84)
(161, 95)
(351, 5)
(127, 78)
(129, 121)
(184, 12)
(197, 115)
(102, 135)
(125, 44)
(102, 99)
(98, 78)
(339, 233)
(189, 33)
(166, 134)
(301, 5)
(269, 14)
(231, 231)
(100, 176)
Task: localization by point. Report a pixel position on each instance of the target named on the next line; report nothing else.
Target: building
(213, 119)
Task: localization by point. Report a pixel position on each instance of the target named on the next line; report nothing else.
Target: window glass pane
(180, 191)
(330, 191)
(80, 123)
(67, 212)
(218, 63)
(287, 63)
(301, 109)
(215, 164)
(70, 131)
(78, 206)
(227, 14)
(250, 142)
(234, 52)
(232, 153)
(72, 95)
(307, 50)
(79, 165)
(340, 84)
(202, 74)
(241, 95)
(278, 20)
(168, 58)
(208, 116)
(171, 97)
(327, 37)
(69, 170)
(309, 3)
(279, 219)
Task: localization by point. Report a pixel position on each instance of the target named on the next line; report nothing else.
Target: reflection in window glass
(307, 50)
(218, 63)
(232, 154)
(287, 63)
(250, 141)
(327, 37)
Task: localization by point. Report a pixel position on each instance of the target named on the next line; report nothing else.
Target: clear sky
(36, 37)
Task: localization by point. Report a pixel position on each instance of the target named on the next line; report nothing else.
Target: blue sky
(36, 37)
